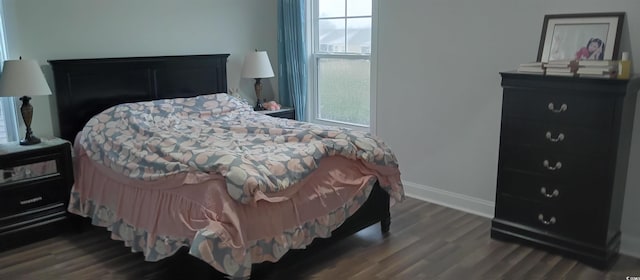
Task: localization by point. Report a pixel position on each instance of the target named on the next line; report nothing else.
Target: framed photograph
(594, 36)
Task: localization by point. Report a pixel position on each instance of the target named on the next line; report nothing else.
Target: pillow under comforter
(219, 134)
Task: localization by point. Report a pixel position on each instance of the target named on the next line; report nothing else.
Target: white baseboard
(449, 199)
(630, 244)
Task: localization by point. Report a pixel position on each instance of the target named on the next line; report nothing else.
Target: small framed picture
(594, 36)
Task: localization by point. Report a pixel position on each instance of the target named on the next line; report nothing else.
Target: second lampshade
(257, 65)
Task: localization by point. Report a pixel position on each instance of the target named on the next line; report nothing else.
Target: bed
(229, 215)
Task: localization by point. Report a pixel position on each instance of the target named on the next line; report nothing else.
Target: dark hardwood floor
(426, 241)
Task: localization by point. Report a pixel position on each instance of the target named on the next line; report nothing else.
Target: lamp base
(258, 87)
(27, 113)
(32, 140)
(258, 106)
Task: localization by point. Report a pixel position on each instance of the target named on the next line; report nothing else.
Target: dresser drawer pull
(31, 200)
(551, 221)
(554, 193)
(557, 139)
(558, 165)
(552, 108)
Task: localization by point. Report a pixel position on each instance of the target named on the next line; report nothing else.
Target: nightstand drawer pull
(557, 139)
(553, 194)
(552, 108)
(557, 166)
(551, 221)
(31, 200)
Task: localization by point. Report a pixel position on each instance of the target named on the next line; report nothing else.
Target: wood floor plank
(426, 241)
(543, 266)
(520, 268)
(496, 258)
(560, 270)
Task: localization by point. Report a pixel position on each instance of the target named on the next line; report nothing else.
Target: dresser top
(585, 84)
(575, 78)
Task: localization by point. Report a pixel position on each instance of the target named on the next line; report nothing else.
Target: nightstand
(35, 182)
(285, 113)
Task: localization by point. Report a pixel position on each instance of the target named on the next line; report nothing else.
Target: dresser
(34, 190)
(564, 149)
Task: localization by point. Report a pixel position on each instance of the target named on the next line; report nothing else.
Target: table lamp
(257, 65)
(24, 78)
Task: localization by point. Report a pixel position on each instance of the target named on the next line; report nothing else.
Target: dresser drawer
(31, 196)
(546, 190)
(591, 110)
(552, 137)
(578, 222)
(558, 166)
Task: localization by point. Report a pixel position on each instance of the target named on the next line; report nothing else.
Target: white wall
(69, 29)
(439, 96)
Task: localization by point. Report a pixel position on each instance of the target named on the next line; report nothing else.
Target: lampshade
(23, 78)
(257, 65)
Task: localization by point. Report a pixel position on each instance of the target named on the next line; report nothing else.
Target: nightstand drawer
(589, 110)
(556, 138)
(28, 171)
(31, 196)
(578, 224)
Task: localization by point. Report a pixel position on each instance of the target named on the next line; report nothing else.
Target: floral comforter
(220, 134)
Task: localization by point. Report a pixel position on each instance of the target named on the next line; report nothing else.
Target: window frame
(8, 104)
(315, 57)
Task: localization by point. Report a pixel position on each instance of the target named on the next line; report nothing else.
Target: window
(8, 124)
(341, 62)
(3, 125)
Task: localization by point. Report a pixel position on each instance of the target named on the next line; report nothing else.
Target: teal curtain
(292, 56)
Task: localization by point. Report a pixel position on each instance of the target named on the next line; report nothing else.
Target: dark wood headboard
(86, 87)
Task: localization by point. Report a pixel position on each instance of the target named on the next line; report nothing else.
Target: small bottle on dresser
(624, 66)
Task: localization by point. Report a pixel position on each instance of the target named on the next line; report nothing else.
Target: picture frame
(590, 36)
